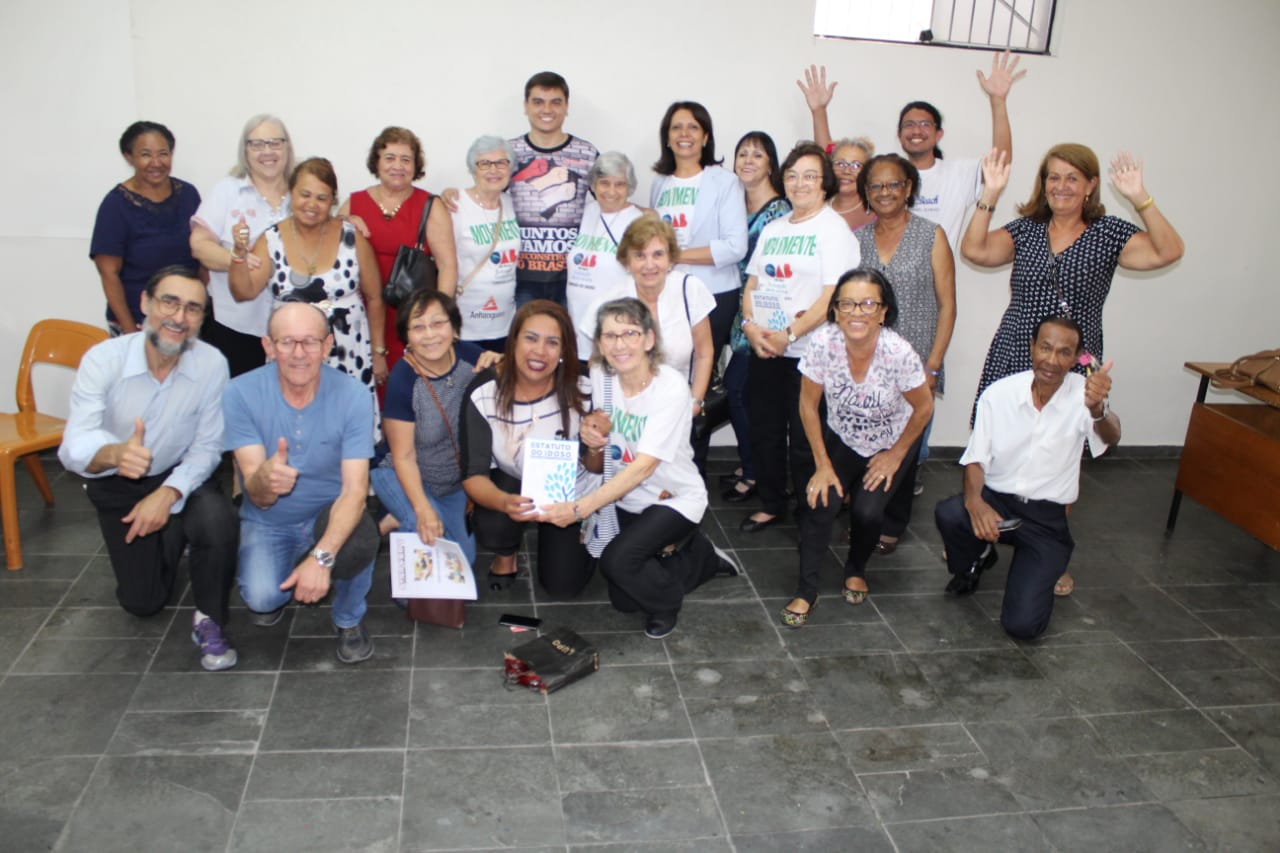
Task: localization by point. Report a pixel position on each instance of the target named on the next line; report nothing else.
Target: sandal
(1065, 585)
(796, 619)
(855, 596)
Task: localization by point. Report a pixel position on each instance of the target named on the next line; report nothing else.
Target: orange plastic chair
(23, 435)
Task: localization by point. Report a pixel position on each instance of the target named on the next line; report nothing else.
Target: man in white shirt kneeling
(1022, 471)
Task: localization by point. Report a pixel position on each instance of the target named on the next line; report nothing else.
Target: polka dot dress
(1079, 276)
(340, 287)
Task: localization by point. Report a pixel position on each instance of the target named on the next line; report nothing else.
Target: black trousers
(243, 352)
(777, 435)
(564, 566)
(866, 515)
(1042, 549)
(640, 577)
(146, 568)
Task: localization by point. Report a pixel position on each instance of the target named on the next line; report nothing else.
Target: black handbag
(413, 267)
(551, 661)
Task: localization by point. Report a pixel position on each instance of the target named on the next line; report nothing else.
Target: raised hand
(1003, 66)
(1126, 174)
(817, 94)
(281, 477)
(1097, 386)
(135, 459)
(995, 174)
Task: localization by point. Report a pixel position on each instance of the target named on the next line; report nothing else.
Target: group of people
(253, 322)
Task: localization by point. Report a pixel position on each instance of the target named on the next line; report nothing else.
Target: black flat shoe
(730, 479)
(734, 495)
(966, 583)
(750, 525)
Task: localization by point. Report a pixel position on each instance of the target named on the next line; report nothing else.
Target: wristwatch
(1106, 410)
(791, 336)
(746, 321)
(325, 558)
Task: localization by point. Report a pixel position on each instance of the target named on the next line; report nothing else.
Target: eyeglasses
(852, 165)
(263, 144)
(855, 306)
(311, 346)
(912, 125)
(891, 186)
(485, 165)
(627, 336)
(435, 326)
(806, 178)
(169, 305)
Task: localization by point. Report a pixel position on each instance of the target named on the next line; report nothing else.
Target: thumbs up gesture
(1097, 386)
(135, 459)
(240, 231)
(281, 478)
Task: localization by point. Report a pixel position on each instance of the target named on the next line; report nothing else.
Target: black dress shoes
(751, 525)
(966, 583)
(734, 495)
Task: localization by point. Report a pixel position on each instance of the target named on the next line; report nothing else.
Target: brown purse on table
(1260, 368)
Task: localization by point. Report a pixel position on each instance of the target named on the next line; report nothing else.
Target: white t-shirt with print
(948, 189)
(489, 301)
(676, 199)
(656, 422)
(793, 262)
(871, 415)
(592, 265)
(674, 325)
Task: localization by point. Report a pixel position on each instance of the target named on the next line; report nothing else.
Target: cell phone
(1008, 524)
(513, 621)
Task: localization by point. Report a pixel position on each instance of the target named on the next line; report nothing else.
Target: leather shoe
(751, 525)
(734, 495)
(966, 583)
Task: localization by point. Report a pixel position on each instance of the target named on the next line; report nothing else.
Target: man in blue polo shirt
(302, 434)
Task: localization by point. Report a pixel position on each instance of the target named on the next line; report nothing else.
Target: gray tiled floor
(1147, 719)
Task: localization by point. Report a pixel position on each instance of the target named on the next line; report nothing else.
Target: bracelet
(932, 372)
(746, 321)
(577, 515)
(380, 350)
(237, 259)
(989, 208)
(698, 403)
(1138, 208)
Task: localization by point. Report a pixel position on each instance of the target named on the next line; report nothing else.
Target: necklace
(389, 215)
(310, 261)
(849, 209)
(453, 360)
(796, 220)
(647, 381)
(475, 196)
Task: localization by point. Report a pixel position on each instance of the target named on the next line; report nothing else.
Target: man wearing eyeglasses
(948, 188)
(146, 428)
(302, 434)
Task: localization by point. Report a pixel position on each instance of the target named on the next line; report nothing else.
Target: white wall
(1153, 76)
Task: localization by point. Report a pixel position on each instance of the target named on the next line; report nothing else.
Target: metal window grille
(1021, 25)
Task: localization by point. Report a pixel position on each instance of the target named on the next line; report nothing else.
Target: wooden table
(1231, 459)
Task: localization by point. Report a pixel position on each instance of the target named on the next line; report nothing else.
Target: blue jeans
(270, 552)
(452, 509)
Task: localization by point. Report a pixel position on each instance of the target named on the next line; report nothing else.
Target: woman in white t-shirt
(487, 239)
(791, 275)
(878, 402)
(652, 498)
(704, 203)
(591, 264)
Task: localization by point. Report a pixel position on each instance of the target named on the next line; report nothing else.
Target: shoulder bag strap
(444, 416)
(422, 226)
(688, 316)
(497, 227)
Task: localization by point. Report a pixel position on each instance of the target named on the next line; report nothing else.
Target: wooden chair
(26, 433)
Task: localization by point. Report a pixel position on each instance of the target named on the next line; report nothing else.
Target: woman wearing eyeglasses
(848, 158)
(878, 403)
(312, 257)
(250, 200)
(420, 481)
(1064, 250)
(913, 254)
(487, 238)
(792, 272)
(392, 211)
(651, 551)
